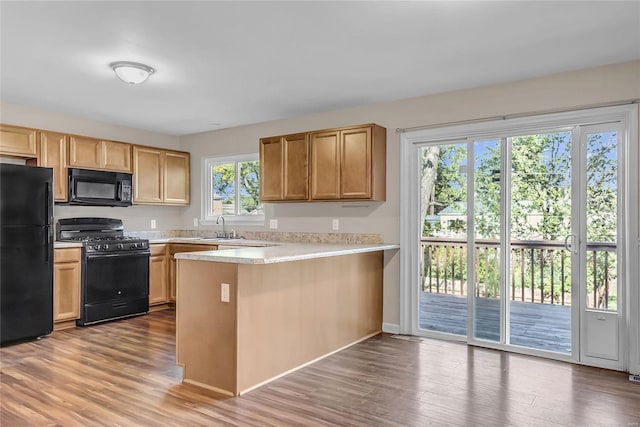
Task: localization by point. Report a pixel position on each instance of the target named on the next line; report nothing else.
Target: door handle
(569, 246)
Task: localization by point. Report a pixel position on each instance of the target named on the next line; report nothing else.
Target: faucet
(218, 222)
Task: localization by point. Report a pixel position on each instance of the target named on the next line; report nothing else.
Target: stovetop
(99, 235)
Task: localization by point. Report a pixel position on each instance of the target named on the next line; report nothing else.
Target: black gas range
(115, 268)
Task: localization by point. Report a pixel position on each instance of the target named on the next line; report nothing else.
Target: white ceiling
(224, 64)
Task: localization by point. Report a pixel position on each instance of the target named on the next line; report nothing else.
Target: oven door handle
(119, 254)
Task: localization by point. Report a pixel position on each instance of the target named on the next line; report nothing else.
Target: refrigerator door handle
(47, 193)
(47, 244)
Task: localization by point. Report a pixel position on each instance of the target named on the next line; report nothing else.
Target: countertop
(63, 245)
(282, 253)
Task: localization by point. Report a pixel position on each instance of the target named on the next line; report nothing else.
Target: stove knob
(96, 247)
(134, 245)
(120, 246)
(105, 247)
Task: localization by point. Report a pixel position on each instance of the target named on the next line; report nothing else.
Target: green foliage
(540, 210)
(224, 184)
(224, 176)
(250, 181)
(450, 185)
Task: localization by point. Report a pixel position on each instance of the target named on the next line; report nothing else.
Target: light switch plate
(335, 225)
(273, 223)
(153, 224)
(195, 222)
(224, 292)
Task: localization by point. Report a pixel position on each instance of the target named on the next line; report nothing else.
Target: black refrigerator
(26, 252)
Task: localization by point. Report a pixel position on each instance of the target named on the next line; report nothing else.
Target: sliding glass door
(520, 240)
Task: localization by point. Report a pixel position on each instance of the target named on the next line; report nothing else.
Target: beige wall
(611, 83)
(135, 217)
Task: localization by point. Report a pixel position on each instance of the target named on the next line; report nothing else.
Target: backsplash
(275, 236)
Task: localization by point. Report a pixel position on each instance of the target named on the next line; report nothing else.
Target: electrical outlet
(224, 292)
(153, 224)
(273, 223)
(335, 225)
(634, 378)
(195, 222)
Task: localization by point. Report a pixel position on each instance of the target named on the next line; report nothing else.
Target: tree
(224, 177)
(442, 183)
(250, 185)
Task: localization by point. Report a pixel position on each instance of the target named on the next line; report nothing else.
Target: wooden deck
(540, 326)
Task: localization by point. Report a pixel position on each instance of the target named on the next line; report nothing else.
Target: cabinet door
(271, 169)
(355, 163)
(66, 284)
(157, 279)
(147, 175)
(17, 141)
(325, 165)
(296, 172)
(116, 156)
(85, 152)
(53, 154)
(176, 178)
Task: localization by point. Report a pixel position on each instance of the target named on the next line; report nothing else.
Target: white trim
(391, 328)
(632, 249)
(408, 235)
(628, 114)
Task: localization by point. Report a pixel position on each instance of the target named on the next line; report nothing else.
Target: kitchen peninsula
(247, 316)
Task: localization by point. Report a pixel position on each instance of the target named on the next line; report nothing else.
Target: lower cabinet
(66, 287)
(177, 248)
(162, 270)
(158, 274)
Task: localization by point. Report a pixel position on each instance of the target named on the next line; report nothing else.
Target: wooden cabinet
(116, 156)
(53, 154)
(18, 141)
(334, 164)
(147, 175)
(91, 153)
(349, 163)
(176, 178)
(284, 168)
(325, 165)
(66, 287)
(160, 176)
(175, 248)
(158, 274)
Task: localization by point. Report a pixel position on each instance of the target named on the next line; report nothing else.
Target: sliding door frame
(410, 208)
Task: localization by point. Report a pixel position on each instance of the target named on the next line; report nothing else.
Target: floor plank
(123, 373)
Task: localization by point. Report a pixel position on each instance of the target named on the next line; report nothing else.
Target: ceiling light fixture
(131, 72)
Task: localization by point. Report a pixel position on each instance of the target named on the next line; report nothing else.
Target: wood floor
(123, 374)
(533, 325)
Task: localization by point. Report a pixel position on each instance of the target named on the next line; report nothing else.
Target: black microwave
(99, 188)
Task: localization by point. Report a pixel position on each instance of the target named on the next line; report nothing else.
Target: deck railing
(540, 271)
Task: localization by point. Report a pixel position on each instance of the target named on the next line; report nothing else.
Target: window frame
(207, 184)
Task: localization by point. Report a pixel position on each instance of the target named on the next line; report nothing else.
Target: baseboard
(391, 328)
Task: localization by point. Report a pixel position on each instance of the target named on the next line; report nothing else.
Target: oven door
(115, 276)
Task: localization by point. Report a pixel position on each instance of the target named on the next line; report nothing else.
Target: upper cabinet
(176, 178)
(335, 164)
(17, 141)
(91, 153)
(160, 176)
(53, 154)
(284, 168)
